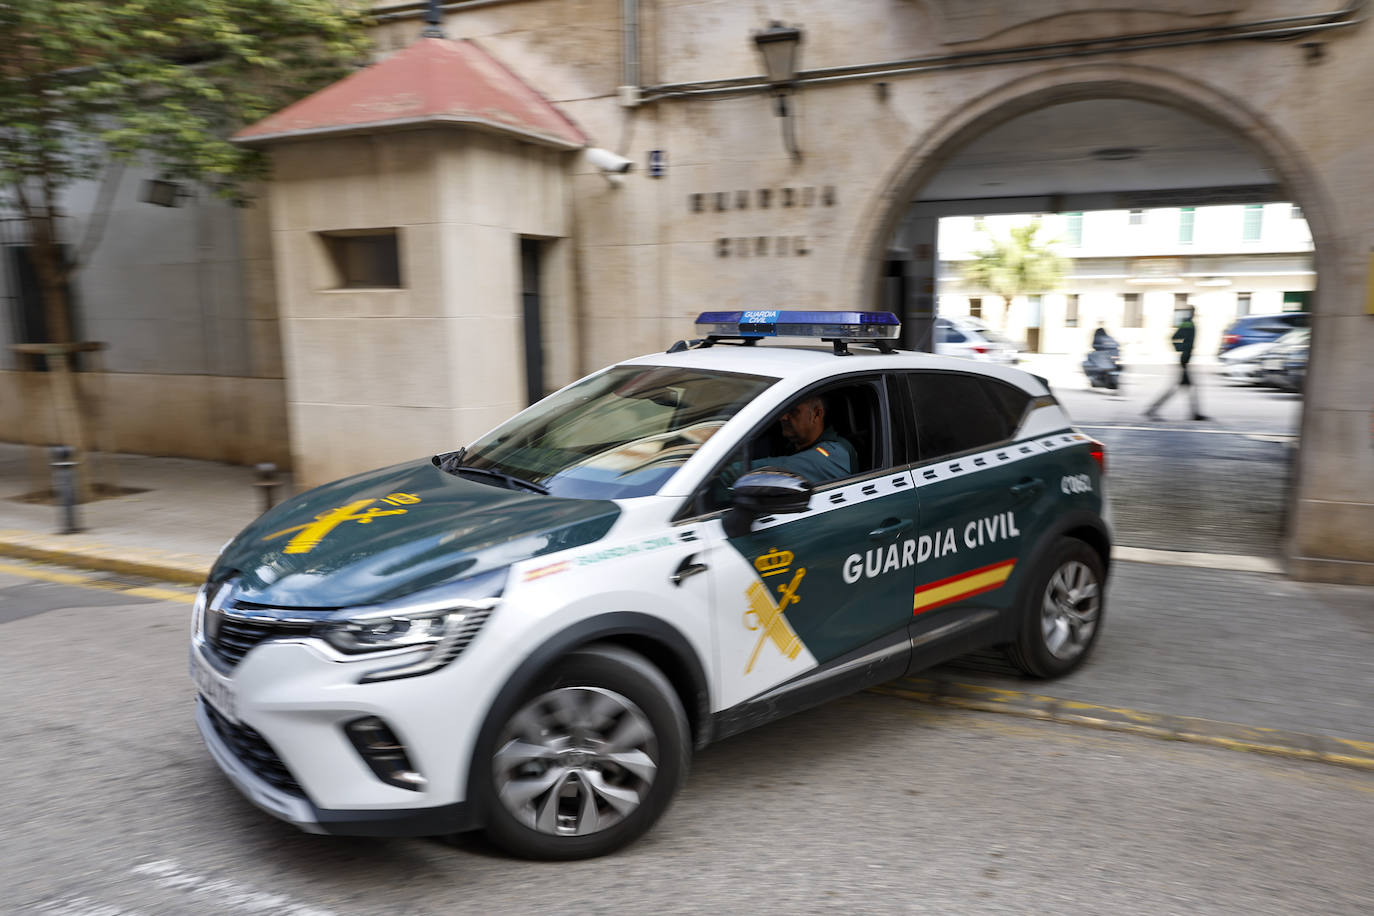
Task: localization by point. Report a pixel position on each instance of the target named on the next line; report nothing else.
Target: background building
(1133, 270)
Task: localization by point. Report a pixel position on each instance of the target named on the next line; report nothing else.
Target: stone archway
(1271, 145)
(944, 140)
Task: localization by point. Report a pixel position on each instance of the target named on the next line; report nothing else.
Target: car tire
(588, 759)
(1061, 613)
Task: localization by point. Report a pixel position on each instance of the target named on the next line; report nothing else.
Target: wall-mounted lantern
(778, 45)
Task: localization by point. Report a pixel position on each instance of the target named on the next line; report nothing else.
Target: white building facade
(1133, 270)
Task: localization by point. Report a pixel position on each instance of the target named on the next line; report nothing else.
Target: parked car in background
(1285, 365)
(1252, 329)
(972, 338)
(1242, 364)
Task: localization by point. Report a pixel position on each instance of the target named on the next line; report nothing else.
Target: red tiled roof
(433, 81)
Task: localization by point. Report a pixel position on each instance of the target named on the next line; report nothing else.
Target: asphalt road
(870, 804)
(1216, 486)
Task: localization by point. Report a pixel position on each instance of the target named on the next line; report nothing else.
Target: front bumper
(278, 735)
(302, 813)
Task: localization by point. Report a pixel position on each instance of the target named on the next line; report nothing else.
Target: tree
(1016, 264)
(87, 82)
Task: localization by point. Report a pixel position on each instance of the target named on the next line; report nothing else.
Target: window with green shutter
(1075, 229)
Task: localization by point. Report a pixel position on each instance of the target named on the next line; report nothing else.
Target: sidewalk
(1064, 371)
(1180, 639)
(171, 531)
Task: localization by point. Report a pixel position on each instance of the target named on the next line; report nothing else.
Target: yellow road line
(1231, 736)
(84, 581)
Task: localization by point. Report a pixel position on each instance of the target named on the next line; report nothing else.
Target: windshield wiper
(510, 480)
(452, 463)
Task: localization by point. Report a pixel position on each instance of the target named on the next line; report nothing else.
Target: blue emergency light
(838, 327)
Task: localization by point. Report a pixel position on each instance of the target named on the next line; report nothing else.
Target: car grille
(254, 752)
(231, 635)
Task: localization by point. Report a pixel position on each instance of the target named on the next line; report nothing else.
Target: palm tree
(1017, 264)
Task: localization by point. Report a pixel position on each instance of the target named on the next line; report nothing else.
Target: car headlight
(198, 612)
(439, 624)
(389, 631)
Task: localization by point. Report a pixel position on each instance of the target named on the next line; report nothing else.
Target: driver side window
(824, 435)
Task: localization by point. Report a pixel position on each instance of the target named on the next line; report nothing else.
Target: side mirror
(767, 491)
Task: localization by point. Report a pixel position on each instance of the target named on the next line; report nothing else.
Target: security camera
(608, 161)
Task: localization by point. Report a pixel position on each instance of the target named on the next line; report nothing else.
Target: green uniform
(828, 458)
(1183, 340)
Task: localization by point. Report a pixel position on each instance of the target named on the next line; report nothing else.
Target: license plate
(217, 690)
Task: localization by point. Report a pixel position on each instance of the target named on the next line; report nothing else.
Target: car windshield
(618, 434)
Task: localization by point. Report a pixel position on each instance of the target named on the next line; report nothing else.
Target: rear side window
(1013, 401)
(947, 333)
(958, 413)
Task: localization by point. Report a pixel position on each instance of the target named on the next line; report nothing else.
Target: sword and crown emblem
(765, 615)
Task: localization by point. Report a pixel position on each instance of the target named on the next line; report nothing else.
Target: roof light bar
(757, 324)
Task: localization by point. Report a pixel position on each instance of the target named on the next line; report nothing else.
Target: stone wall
(183, 298)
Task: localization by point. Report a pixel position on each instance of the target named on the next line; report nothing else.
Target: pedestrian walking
(1183, 338)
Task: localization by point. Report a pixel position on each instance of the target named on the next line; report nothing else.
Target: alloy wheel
(1070, 609)
(575, 761)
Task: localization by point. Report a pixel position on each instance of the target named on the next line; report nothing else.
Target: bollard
(267, 482)
(64, 487)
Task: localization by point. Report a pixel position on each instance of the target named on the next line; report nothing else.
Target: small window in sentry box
(363, 258)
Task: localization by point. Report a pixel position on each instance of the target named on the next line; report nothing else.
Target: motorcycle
(1102, 365)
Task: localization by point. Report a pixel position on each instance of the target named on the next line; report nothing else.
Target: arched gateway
(1309, 540)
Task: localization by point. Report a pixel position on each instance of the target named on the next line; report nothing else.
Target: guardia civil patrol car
(530, 634)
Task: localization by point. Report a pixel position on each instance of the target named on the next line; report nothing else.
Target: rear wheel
(1062, 613)
(591, 757)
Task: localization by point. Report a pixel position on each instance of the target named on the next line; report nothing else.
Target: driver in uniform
(819, 454)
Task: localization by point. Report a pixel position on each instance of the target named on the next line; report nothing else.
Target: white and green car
(531, 634)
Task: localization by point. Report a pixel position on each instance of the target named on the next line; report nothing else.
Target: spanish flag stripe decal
(964, 585)
(963, 575)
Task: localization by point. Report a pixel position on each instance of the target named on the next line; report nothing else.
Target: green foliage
(167, 81)
(1016, 264)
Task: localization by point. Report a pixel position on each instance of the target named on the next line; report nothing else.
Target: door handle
(686, 569)
(1027, 486)
(891, 528)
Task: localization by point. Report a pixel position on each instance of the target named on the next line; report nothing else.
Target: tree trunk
(52, 269)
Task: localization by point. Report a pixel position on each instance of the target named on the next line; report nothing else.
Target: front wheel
(589, 760)
(1062, 613)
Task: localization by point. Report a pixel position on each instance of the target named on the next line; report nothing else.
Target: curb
(182, 569)
(1227, 561)
(1270, 741)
